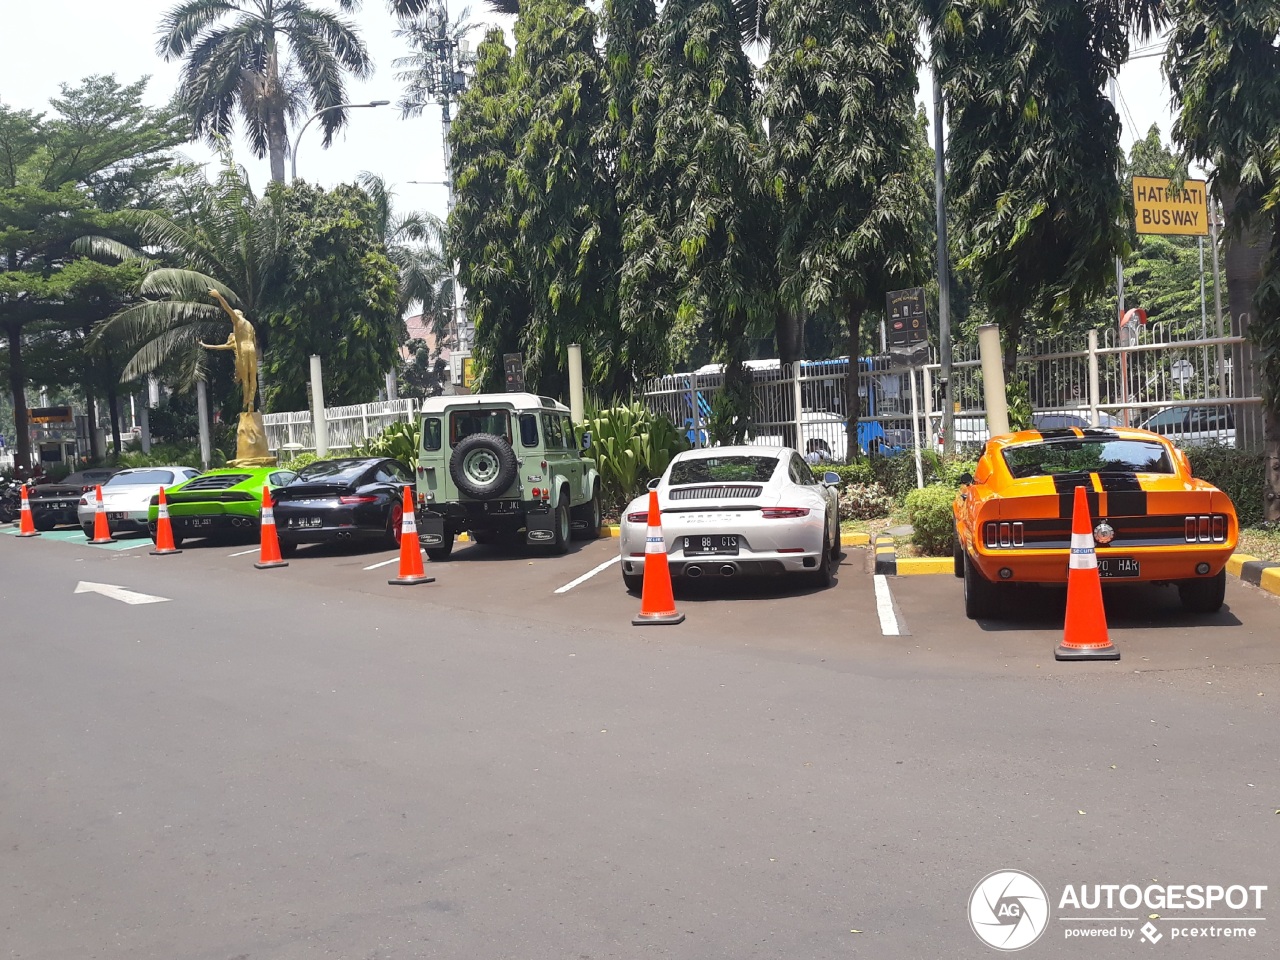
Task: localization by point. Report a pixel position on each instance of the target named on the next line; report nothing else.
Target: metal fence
(1183, 388)
(347, 427)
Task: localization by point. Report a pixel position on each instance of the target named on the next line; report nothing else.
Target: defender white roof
(516, 401)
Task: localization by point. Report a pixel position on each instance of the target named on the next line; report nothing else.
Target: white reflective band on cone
(408, 524)
(98, 507)
(1082, 553)
(164, 512)
(653, 542)
(268, 516)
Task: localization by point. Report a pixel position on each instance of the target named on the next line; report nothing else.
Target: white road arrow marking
(118, 593)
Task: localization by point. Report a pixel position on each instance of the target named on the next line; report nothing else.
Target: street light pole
(337, 106)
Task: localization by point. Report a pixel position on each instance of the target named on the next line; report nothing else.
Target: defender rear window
(529, 429)
(430, 433)
(465, 423)
(1088, 455)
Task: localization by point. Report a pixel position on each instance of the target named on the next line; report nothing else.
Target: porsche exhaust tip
(693, 572)
(728, 570)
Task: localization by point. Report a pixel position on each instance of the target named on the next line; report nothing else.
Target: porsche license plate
(303, 522)
(117, 515)
(1119, 568)
(711, 545)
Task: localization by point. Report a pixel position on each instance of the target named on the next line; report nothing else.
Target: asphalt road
(307, 762)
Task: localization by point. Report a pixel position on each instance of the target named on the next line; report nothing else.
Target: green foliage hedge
(931, 519)
(630, 446)
(1240, 474)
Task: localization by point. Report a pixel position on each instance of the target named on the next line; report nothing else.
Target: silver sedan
(738, 510)
(127, 495)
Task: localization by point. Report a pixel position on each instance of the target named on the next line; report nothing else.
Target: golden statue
(251, 440)
(245, 344)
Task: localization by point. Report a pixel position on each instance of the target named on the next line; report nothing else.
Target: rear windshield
(1088, 455)
(343, 470)
(141, 477)
(723, 469)
(464, 423)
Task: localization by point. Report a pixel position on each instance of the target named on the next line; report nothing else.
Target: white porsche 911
(732, 510)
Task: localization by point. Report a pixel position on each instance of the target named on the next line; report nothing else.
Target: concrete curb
(886, 556)
(1263, 575)
(1260, 573)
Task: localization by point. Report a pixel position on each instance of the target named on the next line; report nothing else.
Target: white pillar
(577, 408)
(1093, 377)
(202, 413)
(915, 428)
(317, 408)
(144, 424)
(391, 385)
(993, 379)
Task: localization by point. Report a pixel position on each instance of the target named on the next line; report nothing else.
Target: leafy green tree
(426, 373)
(563, 194)
(336, 297)
(1033, 150)
(234, 53)
(1223, 63)
(100, 147)
(697, 248)
(855, 209)
(483, 235)
(415, 242)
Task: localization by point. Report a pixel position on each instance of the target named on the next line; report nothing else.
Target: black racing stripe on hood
(1065, 484)
(1125, 496)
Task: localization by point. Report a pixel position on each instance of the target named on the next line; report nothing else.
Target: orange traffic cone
(269, 553)
(164, 530)
(1085, 635)
(657, 603)
(101, 529)
(26, 525)
(411, 570)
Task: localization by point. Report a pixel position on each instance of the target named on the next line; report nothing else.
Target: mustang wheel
(981, 596)
(1205, 595)
(957, 555)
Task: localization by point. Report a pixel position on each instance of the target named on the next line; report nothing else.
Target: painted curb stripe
(912, 566)
(1270, 579)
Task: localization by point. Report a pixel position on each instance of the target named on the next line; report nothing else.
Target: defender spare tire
(483, 466)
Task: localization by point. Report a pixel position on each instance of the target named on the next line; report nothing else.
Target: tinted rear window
(723, 469)
(338, 470)
(148, 477)
(464, 423)
(1090, 455)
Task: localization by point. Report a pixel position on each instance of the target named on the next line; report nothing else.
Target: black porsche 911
(342, 500)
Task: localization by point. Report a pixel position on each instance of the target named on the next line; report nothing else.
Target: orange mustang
(1152, 521)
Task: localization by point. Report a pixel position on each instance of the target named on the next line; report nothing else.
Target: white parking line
(375, 566)
(889, 625)
(243, 553)
(588, 575)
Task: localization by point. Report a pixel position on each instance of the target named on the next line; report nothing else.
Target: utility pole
(944, 267)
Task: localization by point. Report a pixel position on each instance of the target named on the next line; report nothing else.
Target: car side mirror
(966, 478)
(831, 478)
(653, 484)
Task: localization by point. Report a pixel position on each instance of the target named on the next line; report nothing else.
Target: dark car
(342, 500)
(56, 503)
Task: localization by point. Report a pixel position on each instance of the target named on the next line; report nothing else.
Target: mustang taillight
(642, 517)
(783, 513)
(352, 500)
(1206, 528)
(1003, 535)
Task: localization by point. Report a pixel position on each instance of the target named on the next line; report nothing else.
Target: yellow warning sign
(1159, 207)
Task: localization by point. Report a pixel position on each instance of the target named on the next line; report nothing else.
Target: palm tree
(415, 243)
(233, 55)
(216, 235)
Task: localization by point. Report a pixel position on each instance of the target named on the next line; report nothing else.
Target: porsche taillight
(783, 513)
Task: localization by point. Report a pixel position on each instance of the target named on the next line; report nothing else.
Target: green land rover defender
(505, 468)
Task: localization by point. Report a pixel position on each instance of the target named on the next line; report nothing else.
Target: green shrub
(856, 473)
(1240, 474)
(864, 501)
(304, 459)
(897, 474)
(931, 519)
(400, 440)
(630, 447)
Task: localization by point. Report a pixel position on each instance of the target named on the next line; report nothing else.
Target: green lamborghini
(221, 502)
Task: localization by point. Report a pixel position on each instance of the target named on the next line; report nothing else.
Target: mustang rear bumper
(1156, 563)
